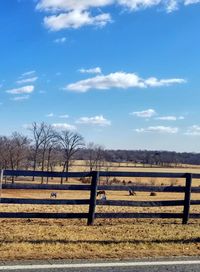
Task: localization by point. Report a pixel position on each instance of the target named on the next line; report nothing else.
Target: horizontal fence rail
(43, 215)
(51, 187)
(93, 187)
(141, 203)
(45, 201)
(139, 215)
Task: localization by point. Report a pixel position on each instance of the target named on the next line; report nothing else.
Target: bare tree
(48, 137)
(18, 147)
(38, 139)
(52, 154)
(4, 158)
(70, 142)
(96, 157)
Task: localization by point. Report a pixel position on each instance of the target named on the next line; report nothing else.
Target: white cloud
(60, 40)
(193, 131)
(190, 2)
(144, 114)
(75, 19)
(132, 5)
(20, 98)
(98, 120)
(158, 129)
(50, 114)
(138, 4)
(170, 118)
(77, 13)
(21, 90)
(66, 5)
(64, 116)
(96, 70)
(154, 82)
(29, 73)
(120, 80)
(27, 80)
(63, 126)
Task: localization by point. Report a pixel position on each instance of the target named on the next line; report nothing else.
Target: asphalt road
(178, 265)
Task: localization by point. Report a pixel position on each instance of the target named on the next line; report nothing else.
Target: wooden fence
(187, 190)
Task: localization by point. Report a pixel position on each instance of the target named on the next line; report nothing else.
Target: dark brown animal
(102, 192)
(131, 192)
(153, 194)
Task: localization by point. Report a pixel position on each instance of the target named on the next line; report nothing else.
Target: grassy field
(111, 239)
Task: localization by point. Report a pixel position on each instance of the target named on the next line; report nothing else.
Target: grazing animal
(131, 192)
(53, 194)
(153, 194)
(100, 193)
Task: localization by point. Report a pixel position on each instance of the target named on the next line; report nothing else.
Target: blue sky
(123, 73)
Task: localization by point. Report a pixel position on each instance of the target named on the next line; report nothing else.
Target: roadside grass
(111, 239)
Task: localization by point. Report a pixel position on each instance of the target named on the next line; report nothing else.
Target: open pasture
(108, 238)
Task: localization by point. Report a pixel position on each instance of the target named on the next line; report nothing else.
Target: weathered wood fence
(187, 190)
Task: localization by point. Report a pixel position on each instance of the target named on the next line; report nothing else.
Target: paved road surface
(177, 265)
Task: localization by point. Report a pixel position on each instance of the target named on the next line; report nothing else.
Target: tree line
(46, 149)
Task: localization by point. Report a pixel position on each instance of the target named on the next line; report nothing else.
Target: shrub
(86, 180)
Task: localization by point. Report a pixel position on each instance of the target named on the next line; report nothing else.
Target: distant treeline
(162, 158)
(47, 149)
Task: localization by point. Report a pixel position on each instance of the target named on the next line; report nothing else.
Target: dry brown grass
(112, 239)
(57, 239)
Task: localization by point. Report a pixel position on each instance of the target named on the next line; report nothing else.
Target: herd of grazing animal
(102, 193)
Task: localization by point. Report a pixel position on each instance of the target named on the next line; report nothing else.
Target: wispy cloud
(50, 114)
(191, 2)
(60, 40)
(158, 129)
(27, 80)
(22, 90)
(63, 126)
(29, 73)
(64, 116)
(98, 120)
(20, 98)
(120, 80)
(144, 114)
(27, 126)
(170, 118)
(154, 82)
(42, 92)
(193, 130)
(96, 70)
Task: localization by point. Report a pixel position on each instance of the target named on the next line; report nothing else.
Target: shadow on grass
(104, 242)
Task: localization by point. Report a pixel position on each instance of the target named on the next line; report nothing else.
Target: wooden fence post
(188, 186)
(93, 193)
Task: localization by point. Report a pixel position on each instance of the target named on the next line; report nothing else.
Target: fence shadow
(103, 242)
